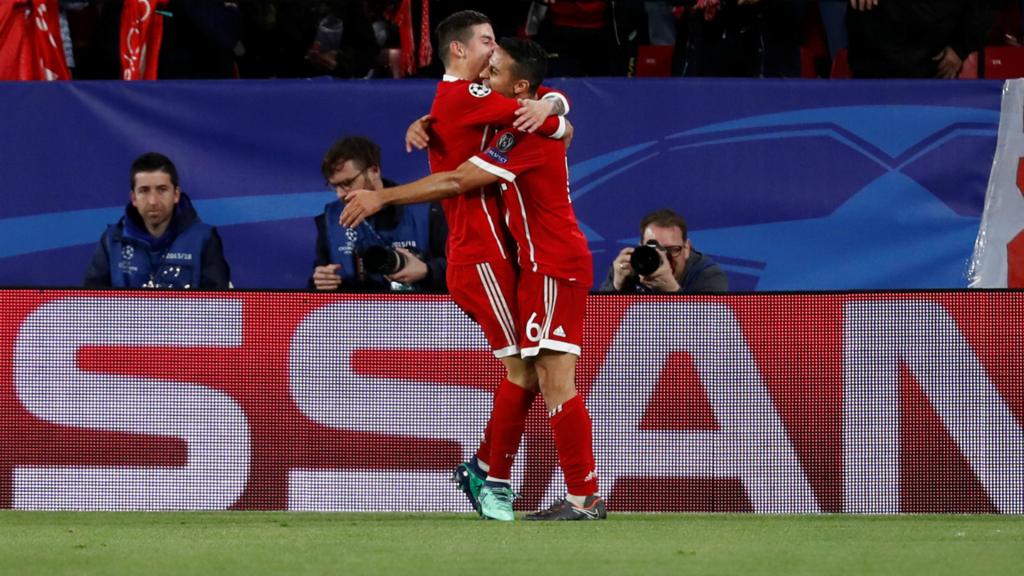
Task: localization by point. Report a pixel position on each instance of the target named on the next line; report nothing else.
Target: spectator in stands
(576, 35)
(743, 38)
(345, 44)
(387, 36)
(661, 21)
(682, 269)
(344, 257)
(160, 242)
(277, 36)
(833, 19)
(200, 39)
(914, 38)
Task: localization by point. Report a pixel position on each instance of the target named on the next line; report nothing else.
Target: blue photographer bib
(412, 232)
(133, 264)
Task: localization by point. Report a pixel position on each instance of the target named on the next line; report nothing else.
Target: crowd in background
(385, 38)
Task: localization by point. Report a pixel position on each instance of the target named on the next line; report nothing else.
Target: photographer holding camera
(665, 262)
(400, 248)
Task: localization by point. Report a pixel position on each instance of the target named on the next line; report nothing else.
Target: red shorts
(486, 293)
(552, 313)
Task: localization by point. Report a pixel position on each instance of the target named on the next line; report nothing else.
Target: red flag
(30, 44)
(15, 61)
(413, 59)
(142, 31)
(426, 50)
(49, 47)
(403, 21)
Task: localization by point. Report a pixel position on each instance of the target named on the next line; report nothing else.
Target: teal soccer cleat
(496, 503)
(469, 482)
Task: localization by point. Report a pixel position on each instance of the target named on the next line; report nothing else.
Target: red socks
(570, 425)
(574, 441)
(483, 452)
(508, 420)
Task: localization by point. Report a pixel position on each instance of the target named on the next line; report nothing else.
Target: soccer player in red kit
(555, 268)
(481, 275)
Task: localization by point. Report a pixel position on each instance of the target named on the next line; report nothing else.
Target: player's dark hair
(153, 162)
(457, 28)
(529, 60)
(359, 149)
(664, 218)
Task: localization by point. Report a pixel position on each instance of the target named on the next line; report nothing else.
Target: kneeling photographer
(400, 248)
(665, 262)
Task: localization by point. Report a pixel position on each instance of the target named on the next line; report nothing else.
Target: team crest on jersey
(479, 90)
(506, 142)
(127, 252)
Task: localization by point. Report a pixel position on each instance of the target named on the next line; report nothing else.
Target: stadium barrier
(828, 402)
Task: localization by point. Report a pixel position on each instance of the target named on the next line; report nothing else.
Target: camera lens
(645, 260)
(382, 260)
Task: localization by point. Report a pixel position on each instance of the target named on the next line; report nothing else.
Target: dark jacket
(701, 276)
(188, 255)
(420, 228)
(900, 38)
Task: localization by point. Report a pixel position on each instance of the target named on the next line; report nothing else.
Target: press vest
(133, 264)
(412, 232)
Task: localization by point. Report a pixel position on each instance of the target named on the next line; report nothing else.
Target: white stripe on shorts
(550, 297)
(498, 304)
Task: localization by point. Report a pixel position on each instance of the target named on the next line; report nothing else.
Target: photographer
(400, 248)
(665, 262)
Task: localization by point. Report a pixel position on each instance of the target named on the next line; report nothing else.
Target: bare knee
(556, 374)
(521, 373)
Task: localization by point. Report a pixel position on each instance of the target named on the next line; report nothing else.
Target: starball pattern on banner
(778, 180)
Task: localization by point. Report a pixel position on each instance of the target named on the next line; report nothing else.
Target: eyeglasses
(346, 185)
(673, 251)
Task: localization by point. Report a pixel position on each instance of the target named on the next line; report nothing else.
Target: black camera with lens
(382, 260)
(646, 258)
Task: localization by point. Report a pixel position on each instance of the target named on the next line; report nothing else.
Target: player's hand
(621, 268)
(862, 5)
(326, 277)
(532, 113)
(413, 271)
(949, 63)
(417, 135)
(662, 279)
(359, 205)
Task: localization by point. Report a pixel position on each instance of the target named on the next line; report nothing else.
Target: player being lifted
(555, 275)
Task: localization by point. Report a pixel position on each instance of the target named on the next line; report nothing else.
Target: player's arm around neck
(439, 186)
(361, 204)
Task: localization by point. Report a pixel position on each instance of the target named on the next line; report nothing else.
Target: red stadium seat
(654, 60)
(1002, 62)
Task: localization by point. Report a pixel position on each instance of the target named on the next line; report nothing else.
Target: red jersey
(464, 110)
(535, 191)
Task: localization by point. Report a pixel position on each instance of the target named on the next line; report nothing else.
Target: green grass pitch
(257, 543)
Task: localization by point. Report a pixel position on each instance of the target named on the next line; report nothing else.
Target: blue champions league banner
(789, 185)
